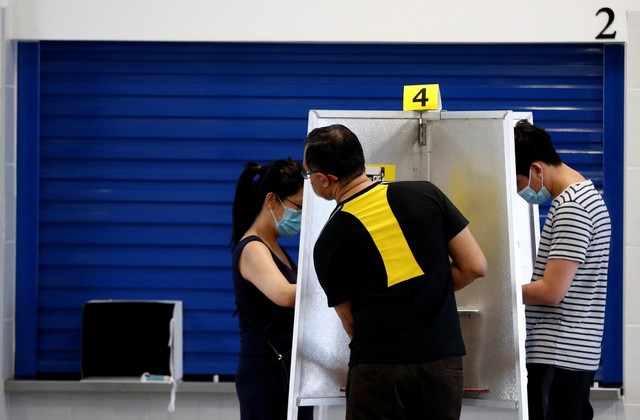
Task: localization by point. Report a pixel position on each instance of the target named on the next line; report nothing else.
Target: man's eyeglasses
(307, 174)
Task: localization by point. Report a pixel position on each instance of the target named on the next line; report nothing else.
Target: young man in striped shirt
(566, 297)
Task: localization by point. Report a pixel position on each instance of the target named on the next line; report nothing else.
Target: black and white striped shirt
(569, 334)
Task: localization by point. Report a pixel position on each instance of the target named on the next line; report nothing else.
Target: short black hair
(335, 150)
(533, 144)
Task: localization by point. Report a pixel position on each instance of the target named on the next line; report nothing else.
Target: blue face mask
(290, 223)
(532, 197)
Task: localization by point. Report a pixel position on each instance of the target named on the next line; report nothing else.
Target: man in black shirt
(389, 260)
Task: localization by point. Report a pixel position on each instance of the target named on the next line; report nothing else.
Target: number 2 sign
(610, 16)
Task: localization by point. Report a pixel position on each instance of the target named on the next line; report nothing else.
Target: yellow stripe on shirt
(373, 211)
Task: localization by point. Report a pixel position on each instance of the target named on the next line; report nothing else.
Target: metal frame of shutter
(129, 151)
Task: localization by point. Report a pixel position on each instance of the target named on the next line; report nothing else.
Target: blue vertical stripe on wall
(613, 174)
(141, 144)
(28, 180)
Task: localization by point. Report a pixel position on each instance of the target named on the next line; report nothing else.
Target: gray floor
(604, 410)
(69, 400)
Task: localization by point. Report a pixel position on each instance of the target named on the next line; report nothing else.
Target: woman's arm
(256, 264)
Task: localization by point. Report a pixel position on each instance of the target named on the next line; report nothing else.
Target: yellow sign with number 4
(421, 98)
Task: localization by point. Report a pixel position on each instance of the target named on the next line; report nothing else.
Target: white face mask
(533, 197)
(290, 223)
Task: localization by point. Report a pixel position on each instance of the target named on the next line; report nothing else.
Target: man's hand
(344, 313)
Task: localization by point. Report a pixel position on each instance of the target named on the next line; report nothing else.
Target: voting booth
(470, 156)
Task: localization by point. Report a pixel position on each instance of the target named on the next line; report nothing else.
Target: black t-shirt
(385, 250)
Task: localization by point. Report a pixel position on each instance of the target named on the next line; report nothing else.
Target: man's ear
(536, 168)
(326, 178)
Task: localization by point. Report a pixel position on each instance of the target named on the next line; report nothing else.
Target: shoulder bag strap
(260, 333)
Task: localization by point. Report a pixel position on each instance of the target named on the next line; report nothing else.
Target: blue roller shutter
(130, 152)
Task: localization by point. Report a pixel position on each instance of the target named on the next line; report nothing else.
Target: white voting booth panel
(470, 156)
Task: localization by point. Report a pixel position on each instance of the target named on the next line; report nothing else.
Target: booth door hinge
(424, 133)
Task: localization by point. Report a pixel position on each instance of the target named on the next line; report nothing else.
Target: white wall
(7, 204)
(326, 21)
(632, 215)
(466, 21)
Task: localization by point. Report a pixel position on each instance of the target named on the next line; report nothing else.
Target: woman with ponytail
(267, 205)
